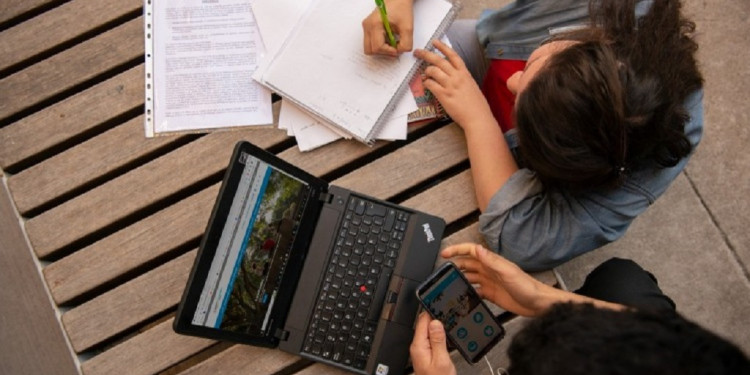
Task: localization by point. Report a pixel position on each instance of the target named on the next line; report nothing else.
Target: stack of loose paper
(199, 60)
(277, 20)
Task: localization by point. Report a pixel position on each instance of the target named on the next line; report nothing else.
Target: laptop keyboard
(356, 280)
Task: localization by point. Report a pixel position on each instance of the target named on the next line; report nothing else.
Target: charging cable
(500, 370)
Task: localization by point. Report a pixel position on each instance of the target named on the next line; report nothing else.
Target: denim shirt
(540, 228)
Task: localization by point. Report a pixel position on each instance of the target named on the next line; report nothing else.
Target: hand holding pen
(398, 16)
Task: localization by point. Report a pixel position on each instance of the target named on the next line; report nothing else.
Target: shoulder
(518, 28)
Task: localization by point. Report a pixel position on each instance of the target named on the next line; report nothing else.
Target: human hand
(500, 280)
(429, 351)
(401, 18)
(452, 84)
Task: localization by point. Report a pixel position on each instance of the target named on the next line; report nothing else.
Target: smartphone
(469, 324)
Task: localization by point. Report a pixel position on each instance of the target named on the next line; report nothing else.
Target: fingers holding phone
(469, 324)
(429, 350)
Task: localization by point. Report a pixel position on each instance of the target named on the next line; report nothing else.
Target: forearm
(552, 296)
(492, 163)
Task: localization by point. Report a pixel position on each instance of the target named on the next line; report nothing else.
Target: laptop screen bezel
(209, 243)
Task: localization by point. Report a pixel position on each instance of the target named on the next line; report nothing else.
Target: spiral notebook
(322, 67)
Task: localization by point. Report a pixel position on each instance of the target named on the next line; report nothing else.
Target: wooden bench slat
(141, 187)
(243, 359)
(323, 160)
(417, 162)
(133, 247)
(161, 232)
(59, 25)
(147, 353)
(460, 189)
(83, 163)
(73, 66)
(322, 369)
(12, 9)
(127, 305)
(74, 115)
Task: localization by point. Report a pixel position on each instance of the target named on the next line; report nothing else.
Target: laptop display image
(291, 262)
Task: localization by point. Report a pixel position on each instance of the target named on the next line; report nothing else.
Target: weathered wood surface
(59, 26)
(62, 72)
(10, 10)
(72, 117)
(114, 219)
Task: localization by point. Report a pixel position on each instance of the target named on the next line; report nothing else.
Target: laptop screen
(253, 250)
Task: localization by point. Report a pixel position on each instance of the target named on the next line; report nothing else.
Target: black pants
(625, 282)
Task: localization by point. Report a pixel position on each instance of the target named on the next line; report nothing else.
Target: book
(322, 68)
(429, 108)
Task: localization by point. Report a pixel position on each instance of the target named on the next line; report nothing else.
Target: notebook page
(323, 69)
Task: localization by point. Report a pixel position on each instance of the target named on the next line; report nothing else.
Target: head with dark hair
(581, 339)
(613, 100)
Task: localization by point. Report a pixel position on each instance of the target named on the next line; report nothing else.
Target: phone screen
(468, 322)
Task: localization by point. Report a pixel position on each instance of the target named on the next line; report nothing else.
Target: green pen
(384, 18)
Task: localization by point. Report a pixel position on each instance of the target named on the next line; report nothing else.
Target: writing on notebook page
(323, 69)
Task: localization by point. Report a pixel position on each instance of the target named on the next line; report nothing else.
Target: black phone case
(430, 281)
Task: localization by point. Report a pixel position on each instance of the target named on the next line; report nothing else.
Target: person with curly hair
(577, 115)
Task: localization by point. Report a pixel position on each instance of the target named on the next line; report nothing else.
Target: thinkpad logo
(428, 232)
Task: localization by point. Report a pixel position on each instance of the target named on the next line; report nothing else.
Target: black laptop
(292, 262)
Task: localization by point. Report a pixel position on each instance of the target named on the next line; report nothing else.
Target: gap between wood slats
(16, 12)
(61, 75)
(125, 276)
(147, 353)
(265, 361)
(199, 357)
(33, 205)
(61, 28)
(435, 180)
(135, 216)
(75, 139)
(463, 222)
(74, 120)
(138, 194)
(384, 147)
(90, 164)
(410, 166)
(72, 90)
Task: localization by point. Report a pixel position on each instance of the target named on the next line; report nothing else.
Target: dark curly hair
(613, 101)
(573, 339)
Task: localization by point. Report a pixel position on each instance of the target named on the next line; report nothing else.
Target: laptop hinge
(326, 197)
(281, 334)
